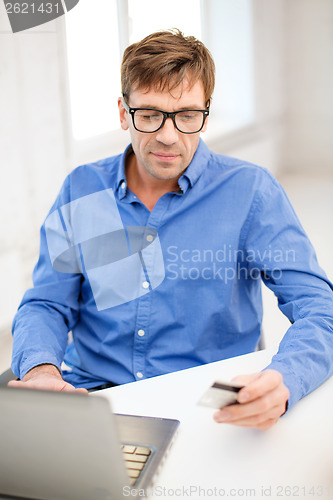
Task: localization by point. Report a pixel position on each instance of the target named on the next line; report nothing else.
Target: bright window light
(94, 36)
(94, 54)
(93, 67)
(147, 16)
(232, 48)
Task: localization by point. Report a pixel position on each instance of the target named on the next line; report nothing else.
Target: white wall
(33, 149)
(293, 128)
(309, 60)
(262, 141)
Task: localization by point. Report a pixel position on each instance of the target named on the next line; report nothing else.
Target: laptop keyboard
(136, 458)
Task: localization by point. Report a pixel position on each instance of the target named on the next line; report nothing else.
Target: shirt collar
(188, 179)
(121, 182)
(195, 168)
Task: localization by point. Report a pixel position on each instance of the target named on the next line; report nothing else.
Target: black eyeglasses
(189, 121)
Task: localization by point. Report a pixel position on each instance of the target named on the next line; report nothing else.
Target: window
(93, 67)
(227, 32)
(147, 16)
(96, 38)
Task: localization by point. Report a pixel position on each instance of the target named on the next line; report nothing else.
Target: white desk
(294, 459)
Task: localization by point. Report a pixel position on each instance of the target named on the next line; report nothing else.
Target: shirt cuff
(29, 362)
(290, 380)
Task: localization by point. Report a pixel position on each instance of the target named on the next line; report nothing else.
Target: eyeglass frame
(166, 114)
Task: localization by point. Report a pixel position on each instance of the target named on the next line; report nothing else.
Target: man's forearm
(45, 377)
(45, 368)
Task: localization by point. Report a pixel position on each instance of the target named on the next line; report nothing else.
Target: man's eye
(149, 116)
(188, 116)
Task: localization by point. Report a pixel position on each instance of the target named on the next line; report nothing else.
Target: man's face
(164, 154)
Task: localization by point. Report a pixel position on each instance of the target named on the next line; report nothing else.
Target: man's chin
(167, 173)
(166, 170)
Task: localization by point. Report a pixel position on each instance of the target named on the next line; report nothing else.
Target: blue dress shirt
(147, 293)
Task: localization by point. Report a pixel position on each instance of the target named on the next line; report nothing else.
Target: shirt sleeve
(49, 310)
(278, 250)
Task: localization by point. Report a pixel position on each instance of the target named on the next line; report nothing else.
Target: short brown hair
(163, 59)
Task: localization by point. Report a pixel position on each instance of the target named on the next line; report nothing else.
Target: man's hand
(262, 401)
(45, 377)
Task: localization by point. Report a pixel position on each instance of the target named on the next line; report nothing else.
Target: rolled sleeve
(283, 255)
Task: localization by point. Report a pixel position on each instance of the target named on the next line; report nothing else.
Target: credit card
(220, 394)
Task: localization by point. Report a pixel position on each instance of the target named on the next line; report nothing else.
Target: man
(154, 258)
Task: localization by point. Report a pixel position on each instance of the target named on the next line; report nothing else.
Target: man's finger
(14, 383)
(269, 402)
(49, 384)
(81, 390)
(70, 388)
(263, 400)
(261, 384)
(245, 379)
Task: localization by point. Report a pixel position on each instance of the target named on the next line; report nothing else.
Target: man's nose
(168, 134)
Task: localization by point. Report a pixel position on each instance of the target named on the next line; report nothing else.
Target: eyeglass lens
(149, 120)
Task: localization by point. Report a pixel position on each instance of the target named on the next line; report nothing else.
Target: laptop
(66, 446)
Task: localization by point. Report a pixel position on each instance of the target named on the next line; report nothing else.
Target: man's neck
(146, 187)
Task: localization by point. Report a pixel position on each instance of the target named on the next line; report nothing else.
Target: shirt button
(145, 284)
(123, 185)
(150, 237)
(139, 374)
(141, 333)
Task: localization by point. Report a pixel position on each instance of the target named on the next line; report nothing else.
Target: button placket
(141, 333)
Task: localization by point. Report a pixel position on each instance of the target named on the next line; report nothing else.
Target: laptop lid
(63, 446)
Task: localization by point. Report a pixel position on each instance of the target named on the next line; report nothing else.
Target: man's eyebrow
(184, 108)
(191, 107)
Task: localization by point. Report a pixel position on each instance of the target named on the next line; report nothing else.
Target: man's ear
(204, 128)
(122, 114)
